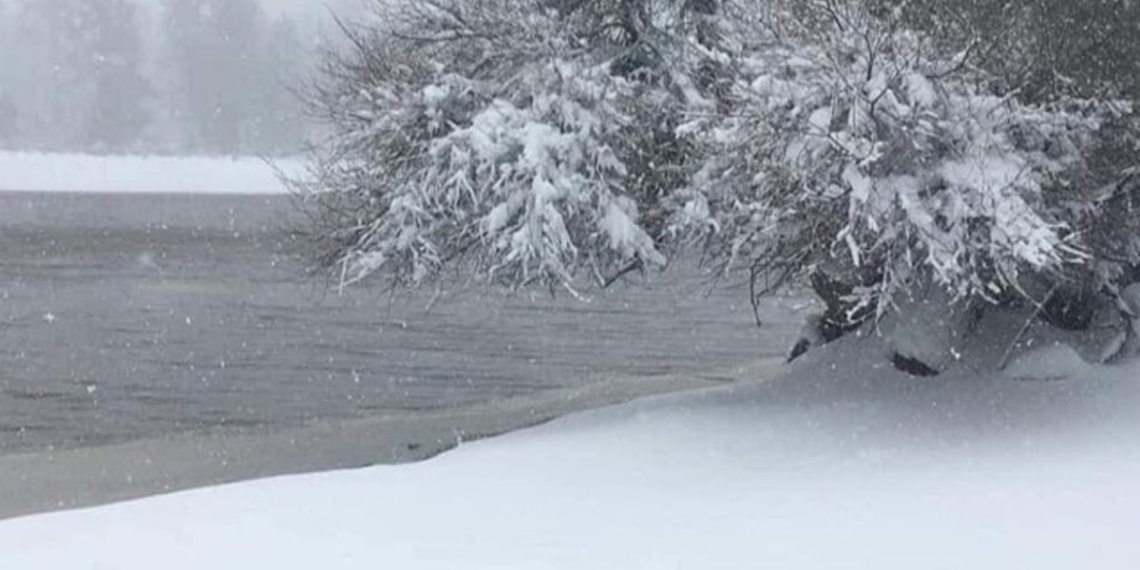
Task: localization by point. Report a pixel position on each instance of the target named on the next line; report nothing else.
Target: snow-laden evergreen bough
(563, 142)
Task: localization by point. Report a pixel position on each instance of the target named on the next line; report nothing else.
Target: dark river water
(134, 316)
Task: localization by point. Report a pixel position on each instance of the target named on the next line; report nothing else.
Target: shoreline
(39, 482)
(132, 317)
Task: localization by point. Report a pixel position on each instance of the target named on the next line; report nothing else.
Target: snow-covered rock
(1057, 361)
(925, 329)
(1126, 345)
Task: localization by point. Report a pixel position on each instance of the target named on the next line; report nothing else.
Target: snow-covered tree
(529, 140)
(855, 151)
(118, 112)
(9, 120)
(78, 74)
(284, 62)
(214, 50)
(231, 69)
(567, 141)
(1042, 49)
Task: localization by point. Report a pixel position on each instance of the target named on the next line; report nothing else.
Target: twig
(753, 296)
(632, 266)
(1025, 328)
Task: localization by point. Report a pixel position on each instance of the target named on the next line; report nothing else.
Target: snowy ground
(824, 468)
(26, 171)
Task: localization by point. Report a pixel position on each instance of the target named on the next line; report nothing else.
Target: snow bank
(825, 468)
(21, 171)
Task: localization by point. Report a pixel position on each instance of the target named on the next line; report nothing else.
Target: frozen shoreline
(42, 172)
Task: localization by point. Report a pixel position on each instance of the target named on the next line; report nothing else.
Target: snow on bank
(35, 172)
(821, 469)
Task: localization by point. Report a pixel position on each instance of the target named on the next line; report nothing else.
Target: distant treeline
(176, 76)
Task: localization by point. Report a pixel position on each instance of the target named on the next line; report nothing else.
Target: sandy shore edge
(78, 478)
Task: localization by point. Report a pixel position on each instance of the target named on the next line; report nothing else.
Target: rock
(810, 336)
(1127, 344)
(912, 366)
(1071, 308)
(841, 314)
(923, 330)
(1058, 361)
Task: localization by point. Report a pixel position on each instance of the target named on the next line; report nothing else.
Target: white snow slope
(35, 172)
(820, 469)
